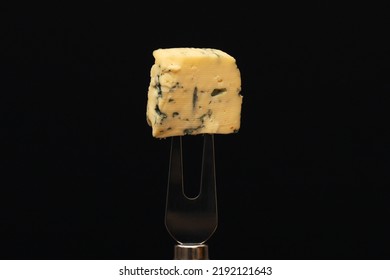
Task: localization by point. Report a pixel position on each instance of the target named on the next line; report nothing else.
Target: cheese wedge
(193, 91)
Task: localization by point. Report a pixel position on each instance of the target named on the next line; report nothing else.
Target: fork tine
(175, 179)
(208, 189)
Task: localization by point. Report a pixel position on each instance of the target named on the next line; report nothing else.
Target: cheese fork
(191, 221)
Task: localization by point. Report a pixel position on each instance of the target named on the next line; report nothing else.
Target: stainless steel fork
(191, 221)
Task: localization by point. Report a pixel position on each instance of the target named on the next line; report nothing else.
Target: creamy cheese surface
(193, 91)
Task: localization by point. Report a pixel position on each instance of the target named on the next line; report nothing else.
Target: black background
(306, 177)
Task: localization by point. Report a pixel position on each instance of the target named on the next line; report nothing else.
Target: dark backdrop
(306, 177)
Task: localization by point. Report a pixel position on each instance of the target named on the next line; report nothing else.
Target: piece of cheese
(193, 91)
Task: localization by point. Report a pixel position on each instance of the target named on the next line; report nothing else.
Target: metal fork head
(191, 220)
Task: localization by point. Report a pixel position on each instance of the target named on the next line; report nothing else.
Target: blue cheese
(193, 91)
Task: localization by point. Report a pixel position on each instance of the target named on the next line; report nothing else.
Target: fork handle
(191, 252)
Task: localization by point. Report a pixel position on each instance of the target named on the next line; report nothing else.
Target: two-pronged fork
(191, 221)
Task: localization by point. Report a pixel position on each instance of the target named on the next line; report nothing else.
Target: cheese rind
(193, 91)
